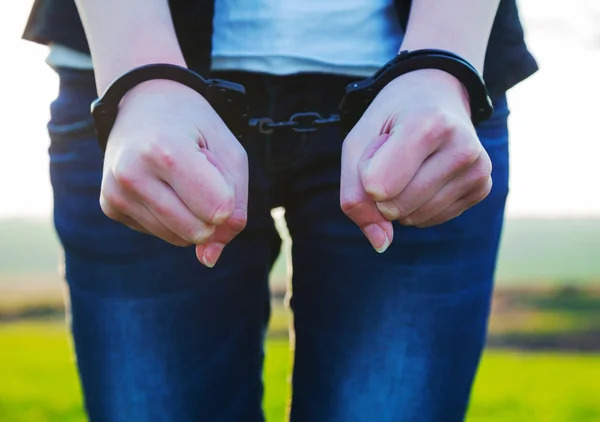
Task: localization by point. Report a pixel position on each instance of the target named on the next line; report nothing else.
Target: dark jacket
(507, 60)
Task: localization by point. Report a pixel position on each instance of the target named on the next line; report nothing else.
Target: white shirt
(353, 37)
(62, 56)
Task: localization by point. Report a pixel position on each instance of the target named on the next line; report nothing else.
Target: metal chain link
(299, 122)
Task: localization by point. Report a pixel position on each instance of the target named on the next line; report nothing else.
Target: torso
(353, 37)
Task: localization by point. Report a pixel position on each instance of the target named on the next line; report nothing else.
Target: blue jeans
(158, 337)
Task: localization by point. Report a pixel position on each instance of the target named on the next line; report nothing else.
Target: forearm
(123, 34)
(460, 26)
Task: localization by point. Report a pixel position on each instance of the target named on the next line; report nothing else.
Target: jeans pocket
(75, 161)
(75, 157)
(65, 137)
(71, 127)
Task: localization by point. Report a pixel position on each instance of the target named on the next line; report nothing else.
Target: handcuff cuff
(229, 101)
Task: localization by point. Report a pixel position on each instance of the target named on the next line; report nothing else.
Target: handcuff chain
(298, 122)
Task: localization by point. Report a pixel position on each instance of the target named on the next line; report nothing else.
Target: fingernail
(221, 215)
(388, 210)
(377, 235)
(212, 254)
(205, 234)
(385, 245)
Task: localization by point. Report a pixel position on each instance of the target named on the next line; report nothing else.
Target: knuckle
(108, 208)
(378, 191)
(427, 139)
(156, 154)
(437, 123)
(375, 183)
(350, 205)
(126, 178)
(114, 203)
(487, 187)
(486, 163)
(481, 193)
(464, 158)
(482, 170)
(238, 223)
(146, 152)
(164, 210)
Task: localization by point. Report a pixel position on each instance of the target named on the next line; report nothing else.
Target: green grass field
(39, 382)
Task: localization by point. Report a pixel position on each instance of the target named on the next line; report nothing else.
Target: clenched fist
(174, 170)
(414, 157)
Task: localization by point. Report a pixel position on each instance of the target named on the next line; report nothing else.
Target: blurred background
(542, 362)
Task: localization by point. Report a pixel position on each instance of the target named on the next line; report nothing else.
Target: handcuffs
(228, 99)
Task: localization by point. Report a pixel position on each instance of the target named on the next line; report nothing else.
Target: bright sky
(555, 145)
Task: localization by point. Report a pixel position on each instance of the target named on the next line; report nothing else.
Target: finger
(168, 208)
(365, 215)
(159, 198)
(228, 156)
(197, 182)
(136, 216)
(235, 170)
(397, 161)
(132, 224)
(355, 202)
(437, 170)
(476, 179)
(457, 207)
(210, 253)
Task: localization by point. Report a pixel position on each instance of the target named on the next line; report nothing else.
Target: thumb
(364, 165)
(234, 169)
(355, 202)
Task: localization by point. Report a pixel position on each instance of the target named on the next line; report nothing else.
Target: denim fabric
(391, 337)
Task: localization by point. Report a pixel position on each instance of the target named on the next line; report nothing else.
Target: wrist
(436, 90)
(460, 26)
(466, 48)
(157, 79)
(442, 83)
(109, 68)
(118, 53)
(123, 35)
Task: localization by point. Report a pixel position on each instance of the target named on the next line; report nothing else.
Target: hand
(174, 170)
(414, 156)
